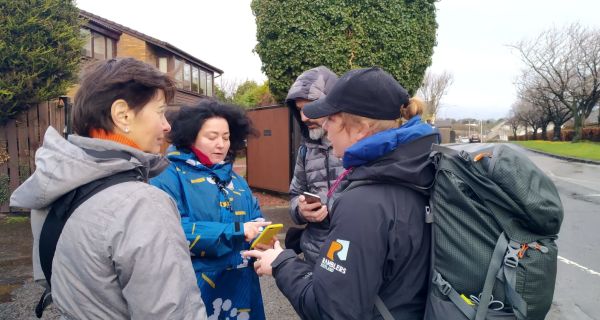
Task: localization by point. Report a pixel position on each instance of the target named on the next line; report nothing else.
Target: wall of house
(185, 99)
(151, 56)
(129, 46)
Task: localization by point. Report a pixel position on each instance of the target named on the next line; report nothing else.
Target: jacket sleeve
(255, 208)
(210, 239)
(348, 272)
(152, 261)
(253, 205)
(297, 186)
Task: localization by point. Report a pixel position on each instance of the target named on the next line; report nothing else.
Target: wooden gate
(271, 155)
(19, 139)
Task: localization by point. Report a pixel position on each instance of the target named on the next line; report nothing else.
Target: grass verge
(17, 219)
(583, 150)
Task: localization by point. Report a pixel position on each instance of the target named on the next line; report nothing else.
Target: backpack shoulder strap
(60, 212)
(302, 151)
(383, 310)
(63, 208)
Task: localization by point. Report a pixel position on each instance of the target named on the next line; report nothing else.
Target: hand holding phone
(311, 197)
(267, 234)
(312, 210)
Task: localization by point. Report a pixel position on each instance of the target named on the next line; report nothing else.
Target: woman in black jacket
(378, 244)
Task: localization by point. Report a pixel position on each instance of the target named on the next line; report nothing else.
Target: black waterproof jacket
(379, 243)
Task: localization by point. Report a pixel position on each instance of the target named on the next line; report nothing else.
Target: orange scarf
(102, 134)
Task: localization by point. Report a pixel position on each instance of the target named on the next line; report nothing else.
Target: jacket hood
(62, 166)
(310, 85)
(408, 164)
(399, 155)
(384, 142)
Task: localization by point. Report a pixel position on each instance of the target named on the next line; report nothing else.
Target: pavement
(19, 295)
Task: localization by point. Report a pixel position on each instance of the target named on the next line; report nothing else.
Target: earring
(126, 129)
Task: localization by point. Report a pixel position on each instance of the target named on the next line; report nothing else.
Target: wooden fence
(20, 138)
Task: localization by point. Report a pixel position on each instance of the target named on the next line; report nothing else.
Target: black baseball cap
(371, 93)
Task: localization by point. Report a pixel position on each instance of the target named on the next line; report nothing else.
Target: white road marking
(586, 269)
(572, 180)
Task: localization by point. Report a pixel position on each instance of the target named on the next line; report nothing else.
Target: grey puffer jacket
(122, 254)
(316, 167)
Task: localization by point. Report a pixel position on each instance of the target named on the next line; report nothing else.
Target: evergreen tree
(40, 52)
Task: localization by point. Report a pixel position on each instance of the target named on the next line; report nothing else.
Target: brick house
(106, 39)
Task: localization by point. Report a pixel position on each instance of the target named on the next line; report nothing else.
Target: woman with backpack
(121, 253)
(375, 259)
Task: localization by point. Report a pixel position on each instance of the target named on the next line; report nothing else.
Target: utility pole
(481, 130)
(469, 125)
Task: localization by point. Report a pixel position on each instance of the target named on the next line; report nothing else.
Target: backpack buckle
(464, 155)
(511, 259)
(443, 285)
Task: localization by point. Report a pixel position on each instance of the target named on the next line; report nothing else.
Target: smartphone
(267, 234)
(311, 197)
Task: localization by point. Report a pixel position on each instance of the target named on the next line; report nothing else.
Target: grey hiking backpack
(495, 220)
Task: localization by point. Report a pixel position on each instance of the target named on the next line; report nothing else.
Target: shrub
(40, 52)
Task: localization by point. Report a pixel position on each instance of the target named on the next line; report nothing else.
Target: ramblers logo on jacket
(338, 250)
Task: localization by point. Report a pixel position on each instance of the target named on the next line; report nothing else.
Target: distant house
(106, 39)
(444, 126)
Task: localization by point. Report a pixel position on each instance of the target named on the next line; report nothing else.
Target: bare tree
(513, 121)
(567, 64)
(432, 90)
(228, 88)
(529, 115)
(550, 109)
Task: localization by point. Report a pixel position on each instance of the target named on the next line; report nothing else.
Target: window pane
(187, 77)
(99, 46)
(162, 64)
(87, 45)
(209, 84)
(195, 80)
(109, 48)
(202, 82)
(178, 72)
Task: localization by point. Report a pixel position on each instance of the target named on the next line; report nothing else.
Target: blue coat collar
(222, 170)
(384, 142)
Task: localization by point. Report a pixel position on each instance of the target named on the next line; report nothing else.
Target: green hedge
(296, 35)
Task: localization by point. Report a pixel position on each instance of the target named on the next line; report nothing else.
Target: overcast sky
(472, 40)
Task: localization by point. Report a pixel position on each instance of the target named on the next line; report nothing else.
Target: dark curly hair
(187, 122)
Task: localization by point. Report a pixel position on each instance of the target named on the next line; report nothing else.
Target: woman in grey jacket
(316, 167)
(122, 253)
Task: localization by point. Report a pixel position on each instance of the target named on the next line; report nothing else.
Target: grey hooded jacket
(122, 254)
(316, 167)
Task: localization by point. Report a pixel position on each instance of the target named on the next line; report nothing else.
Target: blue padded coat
(214, 204)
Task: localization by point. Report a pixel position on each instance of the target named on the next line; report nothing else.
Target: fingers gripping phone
(311, 197)
(267, 234)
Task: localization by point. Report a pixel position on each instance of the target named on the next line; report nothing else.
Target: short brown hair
(104, 82)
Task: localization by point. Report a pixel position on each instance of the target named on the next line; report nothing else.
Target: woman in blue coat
(219, 214)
